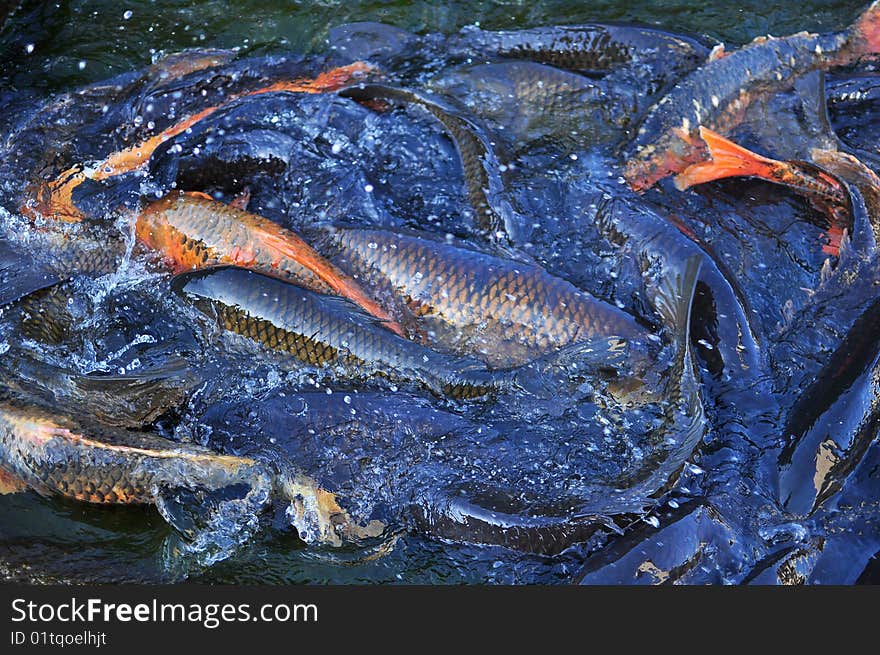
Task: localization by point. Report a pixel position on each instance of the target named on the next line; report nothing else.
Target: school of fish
(431, 324)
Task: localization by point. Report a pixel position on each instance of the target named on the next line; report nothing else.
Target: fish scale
(510, 312)
(594, 48)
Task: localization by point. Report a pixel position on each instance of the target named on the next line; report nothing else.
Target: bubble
(128, 14)
(29, 48)
(82, 64)
(368, 188)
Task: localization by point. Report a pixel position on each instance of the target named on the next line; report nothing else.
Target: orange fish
(54, 199)
(191, 230)
(718, 95)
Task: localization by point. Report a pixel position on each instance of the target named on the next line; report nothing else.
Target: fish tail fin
(727, 160)
(867, 30)
(54, 199)
(673, 300)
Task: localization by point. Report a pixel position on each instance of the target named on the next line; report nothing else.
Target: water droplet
(368, 188)
(128, 14)
(346, 400)
(81, 64)
(29, 48)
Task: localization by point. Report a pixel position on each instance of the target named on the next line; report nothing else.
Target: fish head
(208, 288)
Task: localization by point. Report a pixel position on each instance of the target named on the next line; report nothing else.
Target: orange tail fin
(833, 235)
(727, 160)
(54, 200)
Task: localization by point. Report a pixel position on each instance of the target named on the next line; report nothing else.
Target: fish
(56, 455)
(503, 311)
(642, 234)
(833, 421)
(494, 216)
(54, 198)
(324, 330)
(531, 102)
(718, 94)
(403, 463)
(192, 230)
(591, 48)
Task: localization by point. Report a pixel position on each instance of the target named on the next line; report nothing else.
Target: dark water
(751, 503)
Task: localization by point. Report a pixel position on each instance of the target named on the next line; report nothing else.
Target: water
(742, 509)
